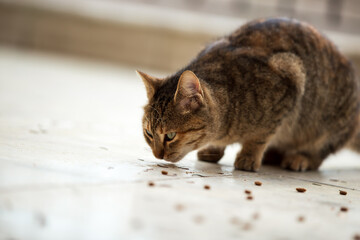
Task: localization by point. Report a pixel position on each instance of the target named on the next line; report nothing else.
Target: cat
(276, 86)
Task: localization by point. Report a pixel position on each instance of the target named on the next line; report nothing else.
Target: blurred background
(159, 34)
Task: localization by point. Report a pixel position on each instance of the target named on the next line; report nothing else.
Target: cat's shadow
(205, 169)
(265, 170)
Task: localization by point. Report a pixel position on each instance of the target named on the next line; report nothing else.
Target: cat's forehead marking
(160, 130)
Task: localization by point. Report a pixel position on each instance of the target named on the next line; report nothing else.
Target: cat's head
(177, 117)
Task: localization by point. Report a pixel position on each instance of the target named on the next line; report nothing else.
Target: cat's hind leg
(312, 155)
(299, 162)
(279, 100)
(211, 154)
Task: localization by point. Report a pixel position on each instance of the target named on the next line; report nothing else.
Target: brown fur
(276, 86)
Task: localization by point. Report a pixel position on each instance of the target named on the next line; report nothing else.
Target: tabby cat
(276, 86)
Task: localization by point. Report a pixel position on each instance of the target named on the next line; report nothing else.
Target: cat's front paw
(211, 154)
(247, 163)
(296, 162)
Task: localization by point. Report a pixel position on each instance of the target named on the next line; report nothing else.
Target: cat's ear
(151, 83)
(189, 95)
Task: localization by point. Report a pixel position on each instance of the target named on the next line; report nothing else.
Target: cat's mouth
(173, 157)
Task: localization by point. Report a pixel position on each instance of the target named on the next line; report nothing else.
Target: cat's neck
(219, 120)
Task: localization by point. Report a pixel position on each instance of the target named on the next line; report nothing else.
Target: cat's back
(321, 58)
(280, 34)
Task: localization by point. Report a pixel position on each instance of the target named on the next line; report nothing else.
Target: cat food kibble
(247, 191)
(249, 198)
(342, 192)
(344, 209)
(302, 190)
(301, 219)
(198, 219)
(235, 221)
(151, 184)
(179, 207)
(247, 226)
(164, 172)
(207, 187)
(356, 237)
(258, 183)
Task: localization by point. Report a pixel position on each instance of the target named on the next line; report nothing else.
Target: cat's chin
(174, 159)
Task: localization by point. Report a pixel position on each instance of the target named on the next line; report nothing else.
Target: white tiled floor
(74, 165)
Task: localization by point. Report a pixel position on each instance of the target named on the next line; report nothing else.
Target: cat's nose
(159, 153)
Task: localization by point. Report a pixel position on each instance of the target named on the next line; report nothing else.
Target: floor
(74, 165)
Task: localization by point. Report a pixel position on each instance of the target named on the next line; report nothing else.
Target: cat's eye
(170, 136)
(148, 133)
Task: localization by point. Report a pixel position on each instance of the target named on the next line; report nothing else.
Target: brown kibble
(247, 191)
(258, 183)
(301, 219)
(163, 172)
(247, 226)
(179, 207)
(302, 190)
(207, 187)
(357, 237)
(249, 198)
(344, 209)
(199, 219)
(235, 221)
(342, 192)
(151, 184)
